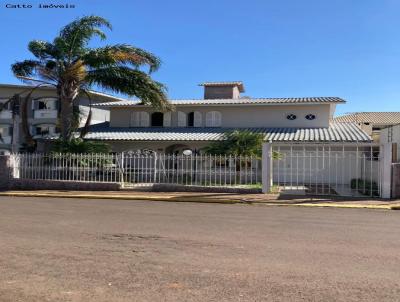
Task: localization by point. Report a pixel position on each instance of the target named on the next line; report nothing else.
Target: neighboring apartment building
(197, 122)
(371, 122)
(43, 113)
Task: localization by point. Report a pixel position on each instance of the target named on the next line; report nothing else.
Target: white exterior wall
(240, 116)
(340, 165)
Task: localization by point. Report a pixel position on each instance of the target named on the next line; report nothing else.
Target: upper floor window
(190, 119)
(7, 106)
(44, 104)
(181, 119)
(157, 119)
(310, 117)
(194, 119)
(139, 119)
(5, 131)
(291, 117)
(213, 119)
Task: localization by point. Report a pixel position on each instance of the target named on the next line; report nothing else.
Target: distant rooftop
(381, 118)
(239, 84)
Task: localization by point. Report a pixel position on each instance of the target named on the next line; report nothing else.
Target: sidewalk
(226, 198)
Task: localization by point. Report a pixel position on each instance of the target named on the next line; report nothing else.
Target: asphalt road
(105, 250)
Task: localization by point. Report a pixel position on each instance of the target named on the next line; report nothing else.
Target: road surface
(106, 250)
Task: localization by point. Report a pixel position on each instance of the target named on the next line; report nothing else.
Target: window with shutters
(194, 119)
(181, 119)
(157, 119)
(135, 119)
(44, 104)
(213, 119)
(139, 119)
(167, 119)
(197, 119)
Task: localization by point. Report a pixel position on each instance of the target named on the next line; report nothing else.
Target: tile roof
(271, 101)
(337, 132)
(389, 118)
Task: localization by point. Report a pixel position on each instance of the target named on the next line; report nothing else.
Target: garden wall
(38, 184)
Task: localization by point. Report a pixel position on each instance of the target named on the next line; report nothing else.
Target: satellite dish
(187, 152)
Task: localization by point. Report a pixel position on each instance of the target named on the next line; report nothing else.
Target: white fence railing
(328, 170)
(321, 169)
(139, 169)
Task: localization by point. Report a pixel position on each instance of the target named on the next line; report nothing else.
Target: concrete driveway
(109, 250)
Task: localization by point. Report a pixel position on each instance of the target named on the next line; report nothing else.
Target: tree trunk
(24, 104)
(67, 94)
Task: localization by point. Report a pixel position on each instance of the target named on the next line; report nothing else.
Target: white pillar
(266, 160)
(386, 169)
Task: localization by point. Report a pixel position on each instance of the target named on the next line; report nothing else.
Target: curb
(119, 197)
(203, 200)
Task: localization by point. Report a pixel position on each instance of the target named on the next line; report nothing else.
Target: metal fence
(141, 169)
(327, 170)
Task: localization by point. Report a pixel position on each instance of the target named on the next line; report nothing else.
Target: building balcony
(5, 114)
(5, 140)
(45, 114)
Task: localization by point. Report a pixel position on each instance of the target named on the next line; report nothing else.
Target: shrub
(365, 186)
(78, 145)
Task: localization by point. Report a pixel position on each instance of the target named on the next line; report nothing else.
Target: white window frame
(213, 119)
(139, 119)
(35, 103)
(182, 119)
(167, 119)
(51, 128)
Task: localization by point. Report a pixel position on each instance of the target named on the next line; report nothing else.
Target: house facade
(196, 123)
(43, 113)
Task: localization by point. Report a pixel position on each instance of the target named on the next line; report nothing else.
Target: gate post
(266, 162)
(386, 169)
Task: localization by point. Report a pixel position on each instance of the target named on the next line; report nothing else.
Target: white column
(266, 160)
(386, 169)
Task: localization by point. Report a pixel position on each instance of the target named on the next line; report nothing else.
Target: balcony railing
(5, 114)
(45, 113)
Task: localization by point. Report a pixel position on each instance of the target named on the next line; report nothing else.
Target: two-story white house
(43, 113)
(197, 122)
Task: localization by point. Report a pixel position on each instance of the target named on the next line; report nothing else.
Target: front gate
(327, 169)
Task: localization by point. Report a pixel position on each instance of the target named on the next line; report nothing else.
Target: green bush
(78, 145)
(365, 186)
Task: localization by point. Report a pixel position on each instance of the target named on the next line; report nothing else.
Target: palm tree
(73, 68)
(238, 142)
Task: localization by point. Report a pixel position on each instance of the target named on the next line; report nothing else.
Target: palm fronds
(72, 66)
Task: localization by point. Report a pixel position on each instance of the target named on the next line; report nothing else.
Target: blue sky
(285, 48)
